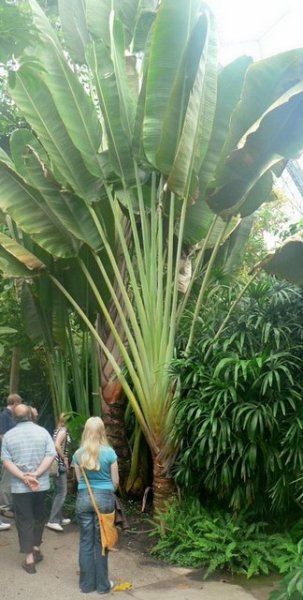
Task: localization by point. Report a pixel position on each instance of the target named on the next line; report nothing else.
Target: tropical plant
(290, 587)
(127, 163)
(197, 537)
(239, 421)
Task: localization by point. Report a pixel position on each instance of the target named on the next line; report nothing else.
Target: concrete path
(57, 575)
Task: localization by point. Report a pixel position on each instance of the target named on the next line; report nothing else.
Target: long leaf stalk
(134, 337)
(198, 262)
(204, 287)
(80, 388)
(136, 378)
(117, 369)
(232, 308)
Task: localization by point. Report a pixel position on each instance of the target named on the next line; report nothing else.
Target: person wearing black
(7, 422)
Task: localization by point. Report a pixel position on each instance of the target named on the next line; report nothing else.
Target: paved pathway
(57, 576)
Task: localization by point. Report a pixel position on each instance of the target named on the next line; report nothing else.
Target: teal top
(99, 480)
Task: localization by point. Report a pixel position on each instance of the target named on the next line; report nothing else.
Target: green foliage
(240, 417)
(197, 537)
(291, 587)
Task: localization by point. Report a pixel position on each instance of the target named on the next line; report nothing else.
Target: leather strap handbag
(108, 530)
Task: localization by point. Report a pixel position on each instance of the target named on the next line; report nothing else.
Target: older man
(7, 422)
(27, 453)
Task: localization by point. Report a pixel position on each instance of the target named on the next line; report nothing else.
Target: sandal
(38, 556)
(29, 567)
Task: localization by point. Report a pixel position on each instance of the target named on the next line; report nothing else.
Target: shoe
(38, 556)
(29, 568)
(4, 526)
(111, 585)
(54, 526)
(9, 514)
(66, 521)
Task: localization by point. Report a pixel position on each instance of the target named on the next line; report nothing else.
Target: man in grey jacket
(27, 453)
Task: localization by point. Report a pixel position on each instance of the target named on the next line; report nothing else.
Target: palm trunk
(113, 403)
(15, 370)
(163, 485)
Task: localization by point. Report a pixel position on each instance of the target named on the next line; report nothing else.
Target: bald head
(22, 413)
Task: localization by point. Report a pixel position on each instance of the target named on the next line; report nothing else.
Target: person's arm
(77, 471)
(44, 466)
(59, 445)
(115, 474)
(29, 479)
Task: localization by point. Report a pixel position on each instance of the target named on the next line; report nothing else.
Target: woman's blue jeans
(93, 566)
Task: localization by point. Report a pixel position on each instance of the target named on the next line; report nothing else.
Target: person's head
(93, 437)
(22, 413)
(12, 401)
(62, 420)
(33, 413)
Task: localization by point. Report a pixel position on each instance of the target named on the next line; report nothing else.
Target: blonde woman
(62, 440)
(99, 462)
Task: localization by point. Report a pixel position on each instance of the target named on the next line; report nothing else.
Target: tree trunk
(15, 370)
(163, 486)
(113, 404)
(113, 400)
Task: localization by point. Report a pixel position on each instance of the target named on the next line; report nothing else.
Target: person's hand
(31, 481)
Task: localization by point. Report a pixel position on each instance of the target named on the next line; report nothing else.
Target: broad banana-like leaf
(10, 20)
(97, 18)
(199, 218)
(142, 29)
(286, 262)
(280, 134)
(168, 40)
(27, 208)
(265, 82)
(128, 99)
(200, 111)
(68, 208)
(73, 104)
(36, 104)
(109, 68)
(76, 36)
(30, 317)
(230, 85)
(261, 192)
(20, 254)
(235, 246)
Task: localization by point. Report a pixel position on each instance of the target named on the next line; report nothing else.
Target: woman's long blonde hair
(93, 437)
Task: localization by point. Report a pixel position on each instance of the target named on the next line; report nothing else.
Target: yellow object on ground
(121, 587)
